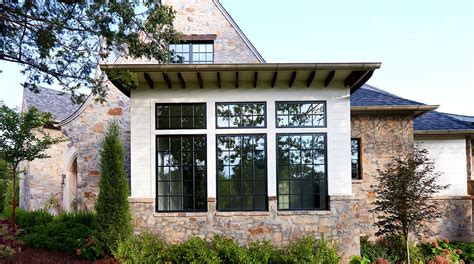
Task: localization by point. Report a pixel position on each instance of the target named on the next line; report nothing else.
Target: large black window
(301, 171)
(301, 114)
(355, 159)
(193, 52)
(251, 115)
(180, 116)
(181, 173)
(241, 173)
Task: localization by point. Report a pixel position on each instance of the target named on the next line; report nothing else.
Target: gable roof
(49, 100)
(441, 123)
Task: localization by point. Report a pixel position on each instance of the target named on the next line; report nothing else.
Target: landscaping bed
(35, 255)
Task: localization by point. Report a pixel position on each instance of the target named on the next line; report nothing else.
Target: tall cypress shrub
(114, 219)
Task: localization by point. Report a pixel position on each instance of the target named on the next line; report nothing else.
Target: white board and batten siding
(143, 132)
(449, 155)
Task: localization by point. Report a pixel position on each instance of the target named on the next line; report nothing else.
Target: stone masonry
(86, 133)
(280, 227)
(41, 179)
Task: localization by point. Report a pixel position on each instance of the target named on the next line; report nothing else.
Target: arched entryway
(70, 187)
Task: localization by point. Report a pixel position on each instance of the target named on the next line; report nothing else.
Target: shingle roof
(440, 121)
(49, 100)
(372, 96)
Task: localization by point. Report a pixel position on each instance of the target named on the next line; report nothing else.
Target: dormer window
(201, 52)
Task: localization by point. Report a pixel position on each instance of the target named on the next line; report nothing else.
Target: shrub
(143, 248)
(311, 250)
(228, 250)
(359, 260)
(58, 236)
(28, 220)
(440, 250)
(114, 220)
(371, 250)
(8, 242)
(264, 252)
(466, 251)
(195, 250)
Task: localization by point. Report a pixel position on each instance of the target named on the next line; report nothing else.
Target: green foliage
(30, 220)
(228, 250)
(64, 41)
(440, 250)
(8, 195)
(195, 250)
(311, 250)
(466, 251)
(114, 219)
(22, 138)
(359, 260)
(4, 176)
(264, 252)
(372, 251)
(143, 248)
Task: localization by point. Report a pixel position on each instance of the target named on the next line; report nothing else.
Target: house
(224, 143)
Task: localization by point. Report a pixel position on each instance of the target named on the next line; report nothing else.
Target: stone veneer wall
(86, 133)
(280, 227)
(382, 137)
(42, 178)
(456, 223)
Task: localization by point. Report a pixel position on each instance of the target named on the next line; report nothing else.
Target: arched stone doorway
(70, 187)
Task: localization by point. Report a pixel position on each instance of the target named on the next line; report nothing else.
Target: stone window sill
(229, 214)
(357, 181)
(289, 213)
(181, 214)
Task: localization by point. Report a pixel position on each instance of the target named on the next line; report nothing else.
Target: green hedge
(147, 248)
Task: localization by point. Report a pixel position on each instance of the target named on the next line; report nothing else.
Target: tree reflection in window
(301, 171)
(180, 116)
(355, 159)
(240, 115)
(301, 114)
(181, 173)
(241, 173)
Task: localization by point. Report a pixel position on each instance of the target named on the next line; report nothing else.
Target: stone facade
(86, 132)
(42, 179)
(456, 223)
(280, 227)
(381, 137)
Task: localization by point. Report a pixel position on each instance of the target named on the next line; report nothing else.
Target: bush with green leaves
(29, 220)
(228, 250)
(143, 248)
(114, 220)
(371, 250)
(466, 251)
(311, 250)
(264, 252)
(195, 250)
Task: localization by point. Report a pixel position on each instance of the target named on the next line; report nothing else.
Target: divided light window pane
(181, 173)
(301, 172)
(188, 53)
(181, 116)
(301, 114)
(355, 159)
(241, 173)
(243, 115)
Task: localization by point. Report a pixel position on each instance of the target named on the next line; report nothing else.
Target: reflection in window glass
(301, 114)
(180, 116)
(241, 173)
(355, 159)
(240, 115)
(301, 171)
(186, 53)
(181, 173)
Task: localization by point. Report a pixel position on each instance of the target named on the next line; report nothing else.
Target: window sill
(289, 213)
(249, 213)
(357, 181)
(180, 214)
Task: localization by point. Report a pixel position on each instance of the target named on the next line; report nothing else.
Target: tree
(22, 138)
(63, 41)
(404, 196)
(112, 207)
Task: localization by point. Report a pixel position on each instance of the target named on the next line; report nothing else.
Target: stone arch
(69, 184)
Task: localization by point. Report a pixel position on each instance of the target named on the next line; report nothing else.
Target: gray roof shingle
(440, 121)
(49, 100)
(372, 96)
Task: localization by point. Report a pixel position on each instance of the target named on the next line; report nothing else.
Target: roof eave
(416, 110)
(444, 132)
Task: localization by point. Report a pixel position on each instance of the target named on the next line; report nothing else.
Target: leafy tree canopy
(63, 41)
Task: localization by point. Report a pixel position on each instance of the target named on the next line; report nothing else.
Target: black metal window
(355, 159)
(301, 171)
(181, 173)
(181, 116)
(301, 114)
(248, 115)
(241, 173)
(192, 53)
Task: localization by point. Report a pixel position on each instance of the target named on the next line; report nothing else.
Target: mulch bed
(33, 255)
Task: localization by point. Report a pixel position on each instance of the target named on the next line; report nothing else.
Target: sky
(426, 46)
